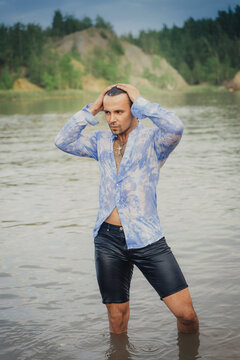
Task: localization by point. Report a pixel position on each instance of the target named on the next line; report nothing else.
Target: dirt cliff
(234, 84)
(25, 85)
(143, 69)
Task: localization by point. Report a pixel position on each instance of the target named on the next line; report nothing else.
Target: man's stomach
(114, 218)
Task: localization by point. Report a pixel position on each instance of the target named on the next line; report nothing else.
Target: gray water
(50, 306)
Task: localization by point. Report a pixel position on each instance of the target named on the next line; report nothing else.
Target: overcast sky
(125, 15)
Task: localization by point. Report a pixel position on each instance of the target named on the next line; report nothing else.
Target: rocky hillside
(103, 56)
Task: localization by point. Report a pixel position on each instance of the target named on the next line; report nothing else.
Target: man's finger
(125, 87)
(108, 88)
(101, 96)
(122, 85)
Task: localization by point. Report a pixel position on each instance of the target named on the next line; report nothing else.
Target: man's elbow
(58, 143)
(179, 128)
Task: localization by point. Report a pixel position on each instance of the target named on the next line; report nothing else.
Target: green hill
(102, 56)
(82, 54)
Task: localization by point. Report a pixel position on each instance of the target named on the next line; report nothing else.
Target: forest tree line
(31, 47)
(203, 50)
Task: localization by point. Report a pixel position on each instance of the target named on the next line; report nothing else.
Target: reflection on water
(121, 349)
(50, 307)
(188, 346)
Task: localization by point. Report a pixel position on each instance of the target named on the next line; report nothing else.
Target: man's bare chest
(118, 150)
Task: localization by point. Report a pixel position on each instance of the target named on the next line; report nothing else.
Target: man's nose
(112, 118)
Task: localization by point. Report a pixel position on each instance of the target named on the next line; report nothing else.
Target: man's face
(118, 113)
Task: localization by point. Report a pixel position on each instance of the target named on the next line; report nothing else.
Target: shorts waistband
(110, 227)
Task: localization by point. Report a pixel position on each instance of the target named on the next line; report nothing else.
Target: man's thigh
(158, 264)
(113, 268)
(179, 303)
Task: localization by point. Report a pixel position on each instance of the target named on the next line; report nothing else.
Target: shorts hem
(174, 291)
(115, 301)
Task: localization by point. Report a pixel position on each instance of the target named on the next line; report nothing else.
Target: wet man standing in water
(128, 230)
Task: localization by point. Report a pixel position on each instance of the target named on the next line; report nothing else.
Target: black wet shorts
(115, 262)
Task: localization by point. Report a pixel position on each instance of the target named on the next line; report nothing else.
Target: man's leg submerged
(179, 303)
(181, 306)
(118, 316)
(161, 269)
(114, 274)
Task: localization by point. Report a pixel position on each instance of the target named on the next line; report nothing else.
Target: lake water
(50, 306)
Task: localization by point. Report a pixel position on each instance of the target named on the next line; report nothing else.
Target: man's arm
(169, 127)
(70, 139)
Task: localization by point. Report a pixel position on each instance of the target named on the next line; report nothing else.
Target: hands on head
(97, 106)
(132, 92)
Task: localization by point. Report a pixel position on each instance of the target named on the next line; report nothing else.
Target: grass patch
(201, 88)
(14, 95)
(106, 64)
(164, 81)
(156, 62)
(147, 92)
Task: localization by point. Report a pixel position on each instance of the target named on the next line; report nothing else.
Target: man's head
(117, 108)
(116, 91)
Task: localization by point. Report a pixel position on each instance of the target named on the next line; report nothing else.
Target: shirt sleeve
(71, 140)
(169, 128)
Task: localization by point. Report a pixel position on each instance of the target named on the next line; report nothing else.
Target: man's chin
(115, 131)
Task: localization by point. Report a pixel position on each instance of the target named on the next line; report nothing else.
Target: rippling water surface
(50, 306)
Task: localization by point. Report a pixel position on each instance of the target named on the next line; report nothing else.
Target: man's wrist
(84, 115)
(93, 109)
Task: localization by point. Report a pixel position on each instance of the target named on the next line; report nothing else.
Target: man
(128, 230)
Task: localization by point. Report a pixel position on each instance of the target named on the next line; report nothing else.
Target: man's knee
(116, 321)
(187, 316)
(118, 315)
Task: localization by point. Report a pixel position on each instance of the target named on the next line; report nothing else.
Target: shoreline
(19, 95)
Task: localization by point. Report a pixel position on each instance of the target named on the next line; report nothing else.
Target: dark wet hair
(114, 91)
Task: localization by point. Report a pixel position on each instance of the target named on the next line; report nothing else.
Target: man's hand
(132, 92)
(97, 106)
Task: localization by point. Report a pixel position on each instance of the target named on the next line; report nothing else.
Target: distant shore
(16, 95)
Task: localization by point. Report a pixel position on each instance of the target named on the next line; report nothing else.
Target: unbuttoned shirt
(132, 190)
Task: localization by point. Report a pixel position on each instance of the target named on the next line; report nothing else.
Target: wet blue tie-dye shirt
(133, 189)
